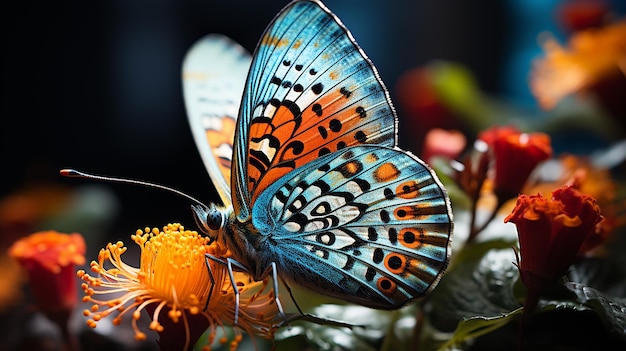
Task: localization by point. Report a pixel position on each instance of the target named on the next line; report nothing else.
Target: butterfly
(300, 141)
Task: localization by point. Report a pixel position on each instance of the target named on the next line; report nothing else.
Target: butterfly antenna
(72, 173)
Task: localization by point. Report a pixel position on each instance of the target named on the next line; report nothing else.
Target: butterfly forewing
(214, 74)
(310, 91)
(370, 223)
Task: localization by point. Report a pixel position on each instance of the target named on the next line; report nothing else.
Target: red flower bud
(516, 155)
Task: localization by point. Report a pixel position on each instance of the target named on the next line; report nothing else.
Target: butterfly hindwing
(214, 74)
(369, 222)
(311, 91)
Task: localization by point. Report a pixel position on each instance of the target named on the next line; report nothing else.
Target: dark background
(95, 85)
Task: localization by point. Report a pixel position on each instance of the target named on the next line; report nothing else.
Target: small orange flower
(50, 258)
(591, 55)
(173, 277)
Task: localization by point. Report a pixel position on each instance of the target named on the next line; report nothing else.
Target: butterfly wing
(214, 74)
(370, 223)
(311, 91)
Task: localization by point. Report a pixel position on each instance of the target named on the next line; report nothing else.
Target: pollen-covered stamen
(172, 283)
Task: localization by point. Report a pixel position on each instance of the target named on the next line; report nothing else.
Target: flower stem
(61, 319)
(475, 230)
(182, 335)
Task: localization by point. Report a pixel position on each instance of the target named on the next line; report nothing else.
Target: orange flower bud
(551, 233)
(49, 258)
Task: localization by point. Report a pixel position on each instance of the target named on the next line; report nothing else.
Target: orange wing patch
(386, 286)
(271, 40)
(326, 126)
(408, 190)
(220, 140)
(414, 212)
(410, 237)
(285, 141)
(386, 172)
(395, 263)
(268, 139)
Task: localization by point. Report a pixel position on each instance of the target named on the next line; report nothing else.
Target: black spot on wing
(372, 234)
(361, 111)
(393, 235)
(335, 125)
(317, 108)
(317, 88)
(378, 255)
(323, 132)
(345, 92)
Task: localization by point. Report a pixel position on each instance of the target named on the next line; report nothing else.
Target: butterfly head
(210, 219)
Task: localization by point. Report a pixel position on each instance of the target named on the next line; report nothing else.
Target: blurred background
(95, 85)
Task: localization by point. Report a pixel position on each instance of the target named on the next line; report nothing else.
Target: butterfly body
(318, 188)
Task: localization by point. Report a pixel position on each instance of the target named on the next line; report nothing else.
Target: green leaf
(608, 273)
(611, 310)
(471, 328)
(480, 283)
(374, 329)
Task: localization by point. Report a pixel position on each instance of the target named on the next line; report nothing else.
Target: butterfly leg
(278, 304)
(231, 275)
(292, 297)
(229, 263)
(303, 316)
(208, 257)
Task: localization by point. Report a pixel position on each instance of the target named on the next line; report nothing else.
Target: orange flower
(550, 233)
(515, 155)
(50, 258)
(588, 179)
(592, 55)
(173, 284)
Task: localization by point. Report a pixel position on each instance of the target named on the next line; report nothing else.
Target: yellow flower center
(173, 265)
